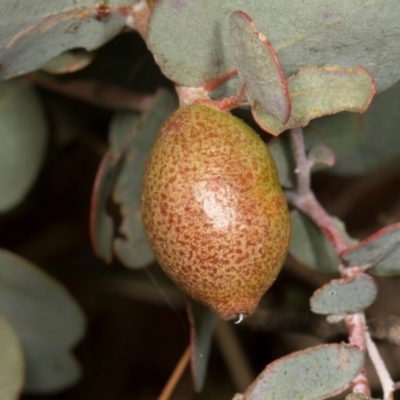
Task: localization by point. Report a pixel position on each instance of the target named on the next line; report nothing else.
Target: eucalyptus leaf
(101, 224)
(281, 152)
(320, 91)
(381, 250)
(55, 369)
(69, 61)
(202, 325)
(389, 264)
(23, 141)
(340, 132)
(33, 35)
(325, 32)
(344, 296)
(122, 128)
(310, 247)
(379, 144)
(12, 363)
(46, 319)
(133, 250)
(258, 67)
(321, 155)
(313, 374)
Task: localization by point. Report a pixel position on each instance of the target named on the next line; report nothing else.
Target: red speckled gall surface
(213, 210)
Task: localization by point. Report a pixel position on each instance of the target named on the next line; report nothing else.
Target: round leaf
(374, 248)
(309, 246)
(258, 67)
(23, 139)
(45, 317)
(69, 61)
(32, 36)
(379, 143)
(12, 364)
(344, 296)
(327, 32)
(320, 91)
(316, 373)
(381, 250)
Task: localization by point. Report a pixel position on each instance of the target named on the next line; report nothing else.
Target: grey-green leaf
(316, 92)
(326, 32)
(321, 155)
(33, 35)
(381, 250)
(101, 223)
(344, 296)
(69, 61)
(379, 142)
(313, 374)
(23, 140)
(388, 265)
(46, 319)
(258, 68)
(12, 363)
(340, 132)
(202, 326)
(133, 250)
(309, 246)
(54, 369)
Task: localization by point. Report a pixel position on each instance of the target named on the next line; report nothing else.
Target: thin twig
(99, 94)
(357, 327)
(303, 198)
(380, 368)
(176, 375)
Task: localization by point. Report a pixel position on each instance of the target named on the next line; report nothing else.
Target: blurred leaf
(380, 250)
(310, 247)
(319, 91)
(379, 144)
(258, 67)
(32, 36)
(46, 319)
(281, 151)
(344, 296)
(321, 155)
(23, 140)
(315, 373)
(12, 364)
(134, 251)
(389, 264)
(101, 224)
(69, 61)
(122, 127)
(202, 325)
(340, 132)
(327, 32)
(54, 369)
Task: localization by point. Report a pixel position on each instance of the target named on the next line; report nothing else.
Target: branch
(303, 198)
(99, 94)
(380, 368)
(176, 375)
(357, 327)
